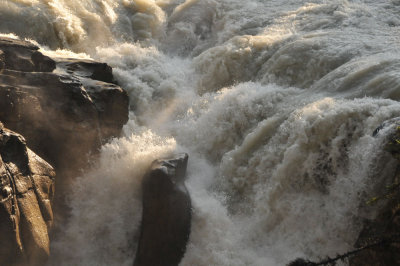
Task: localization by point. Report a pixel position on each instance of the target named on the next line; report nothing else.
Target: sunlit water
(275, 102)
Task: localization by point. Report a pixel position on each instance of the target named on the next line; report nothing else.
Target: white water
(275, 102)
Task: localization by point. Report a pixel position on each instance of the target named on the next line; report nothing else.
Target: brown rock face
(26, 192)
(87, 69)
(54, 113)
(24, 56)
(110, 101)
(64, 115)
(166, 214)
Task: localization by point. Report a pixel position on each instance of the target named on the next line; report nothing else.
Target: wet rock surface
(110, 101)
(385, 227)
(26, 193)
(87, 69)
(23, 56)
(166, 215)
(62, 115)
(65, 109)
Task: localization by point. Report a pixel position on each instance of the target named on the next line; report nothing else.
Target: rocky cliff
(27, 189)
(64, 110)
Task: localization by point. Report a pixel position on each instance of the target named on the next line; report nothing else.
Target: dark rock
(27, 189)
(24, 56)
(65, 115)
(386, 224)
(166, 216)
(392, 135)
(87, 69)
(2, 59)
(110, 100)
(54, 113)
(111, 103)
(6, 42)
(64, 118)
(301, 262)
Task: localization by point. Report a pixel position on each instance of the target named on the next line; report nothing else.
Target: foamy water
(275, 102)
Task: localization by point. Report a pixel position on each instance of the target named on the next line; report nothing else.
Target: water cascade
(274, 101)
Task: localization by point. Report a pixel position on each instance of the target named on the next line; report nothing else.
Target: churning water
(275, 102)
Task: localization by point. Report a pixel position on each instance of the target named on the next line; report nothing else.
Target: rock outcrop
(87, 69)
(386, 226)
(23, 56)
(26, 192)
(63, 115)
(166, 215)
(65, 108)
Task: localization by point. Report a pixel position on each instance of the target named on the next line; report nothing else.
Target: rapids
(275, 102)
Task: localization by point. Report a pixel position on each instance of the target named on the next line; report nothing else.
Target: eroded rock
(26, 193)
(166, 218)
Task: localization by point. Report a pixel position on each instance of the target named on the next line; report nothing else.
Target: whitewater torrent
(274, 101)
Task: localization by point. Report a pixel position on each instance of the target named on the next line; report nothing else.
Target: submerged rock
(166, 215)
(26, 193)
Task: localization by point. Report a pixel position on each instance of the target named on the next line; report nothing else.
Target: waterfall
(274, 101)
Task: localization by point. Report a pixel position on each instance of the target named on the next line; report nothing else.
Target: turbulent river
(274, 101)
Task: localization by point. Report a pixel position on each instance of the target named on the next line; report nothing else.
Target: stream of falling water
(275, 102)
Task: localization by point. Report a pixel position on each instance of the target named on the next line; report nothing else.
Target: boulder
(166, 217)
(26, 193)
